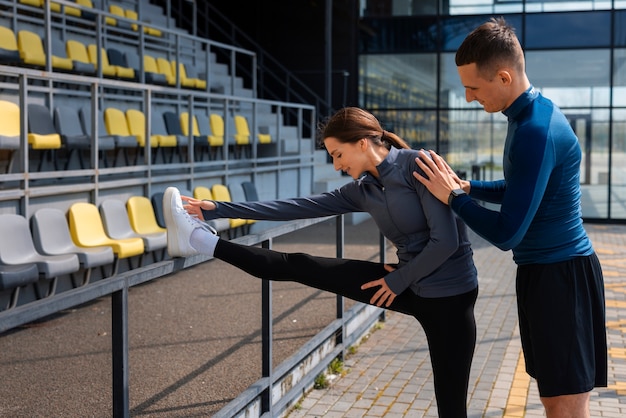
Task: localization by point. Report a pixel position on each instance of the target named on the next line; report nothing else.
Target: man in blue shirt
(560, 289)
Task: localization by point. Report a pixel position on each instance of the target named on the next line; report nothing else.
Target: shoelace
(197, 223)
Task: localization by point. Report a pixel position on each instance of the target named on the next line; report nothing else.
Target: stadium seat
(77, 52)
(204, 193)
(201, 130)
(241, 135)
(9, 53)
(221, 193)
(132, 15)
(72, 11)
(117, 124)
(33, 3)
(142, 216)
(51, 235)
(118, 11)
(157, 204)
(157, 123)
(42, 135)
(172, 127)
(85, 14)
(33, 54)
(13, 278)
(54, 7)
(9, 130)
(109, 70)
(67, 122)
(237, 194)
(164, 67)
(191, 73)
(150, 70)
(136, 122)
(87, 230)
(122, 143)
(185, 80)
(20, 249)
(117, 226)
(118, 60)
(242, 131)
(216, 122)
(205, 125)
(250, 191)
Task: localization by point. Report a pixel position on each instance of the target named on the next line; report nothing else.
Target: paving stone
(392, 371)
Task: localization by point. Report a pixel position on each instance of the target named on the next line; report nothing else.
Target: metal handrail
(325, 344)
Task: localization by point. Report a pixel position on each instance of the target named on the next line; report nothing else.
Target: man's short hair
(491, 46)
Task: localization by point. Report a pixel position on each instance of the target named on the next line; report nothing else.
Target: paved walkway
(390, 374)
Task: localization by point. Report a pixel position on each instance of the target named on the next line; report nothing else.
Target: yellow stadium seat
(142, 217)
(242, 131)
(9, 53)
(136, 121)
(132, 15)
(221, 193)
(9, 130)
(164, 67)
(87, 230)
(32, 52)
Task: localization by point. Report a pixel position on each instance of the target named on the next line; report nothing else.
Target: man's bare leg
(567, 406)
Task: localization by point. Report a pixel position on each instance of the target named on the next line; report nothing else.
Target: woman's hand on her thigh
(384, 296)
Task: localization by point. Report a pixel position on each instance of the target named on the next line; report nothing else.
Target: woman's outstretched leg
(341, 276)
(187, 236)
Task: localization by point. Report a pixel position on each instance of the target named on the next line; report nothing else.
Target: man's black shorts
(562, 325)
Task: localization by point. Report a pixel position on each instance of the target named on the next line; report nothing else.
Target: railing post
(119, 337)
(266, 339)
(340, 228)
(383, 259)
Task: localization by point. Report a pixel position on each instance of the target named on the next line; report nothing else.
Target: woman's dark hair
(491, 46)
(352, 124)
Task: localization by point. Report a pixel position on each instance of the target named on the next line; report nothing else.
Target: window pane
(398, 81)
(417, 128)
(472, 7)
(455, 29)
(619, 77)
(564, 30)
(572, 77)
(618, 165)
(400, 34)
(475, 141)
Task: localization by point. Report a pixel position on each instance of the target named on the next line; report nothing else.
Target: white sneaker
(180, 225)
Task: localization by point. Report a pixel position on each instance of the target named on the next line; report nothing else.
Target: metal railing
(261, 398)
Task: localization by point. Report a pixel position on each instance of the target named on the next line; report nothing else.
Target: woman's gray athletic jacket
(435, 258)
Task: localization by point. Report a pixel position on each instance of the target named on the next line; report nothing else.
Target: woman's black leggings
(448, 322)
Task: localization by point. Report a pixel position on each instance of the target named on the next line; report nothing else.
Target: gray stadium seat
(13, 278)
(17, 247)
(75, 139)
(117, 226)
(51, 235)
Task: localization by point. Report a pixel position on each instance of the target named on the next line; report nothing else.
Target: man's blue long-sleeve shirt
(540, 216)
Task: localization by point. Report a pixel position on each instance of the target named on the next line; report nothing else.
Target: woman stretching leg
(435, 280)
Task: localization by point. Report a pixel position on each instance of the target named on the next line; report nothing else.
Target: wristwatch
(455, 193)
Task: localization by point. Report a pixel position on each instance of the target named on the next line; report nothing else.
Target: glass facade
(575, 55)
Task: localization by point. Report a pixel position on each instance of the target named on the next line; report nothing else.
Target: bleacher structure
(95, 105)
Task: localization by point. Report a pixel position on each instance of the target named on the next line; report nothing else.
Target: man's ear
(505, 77)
